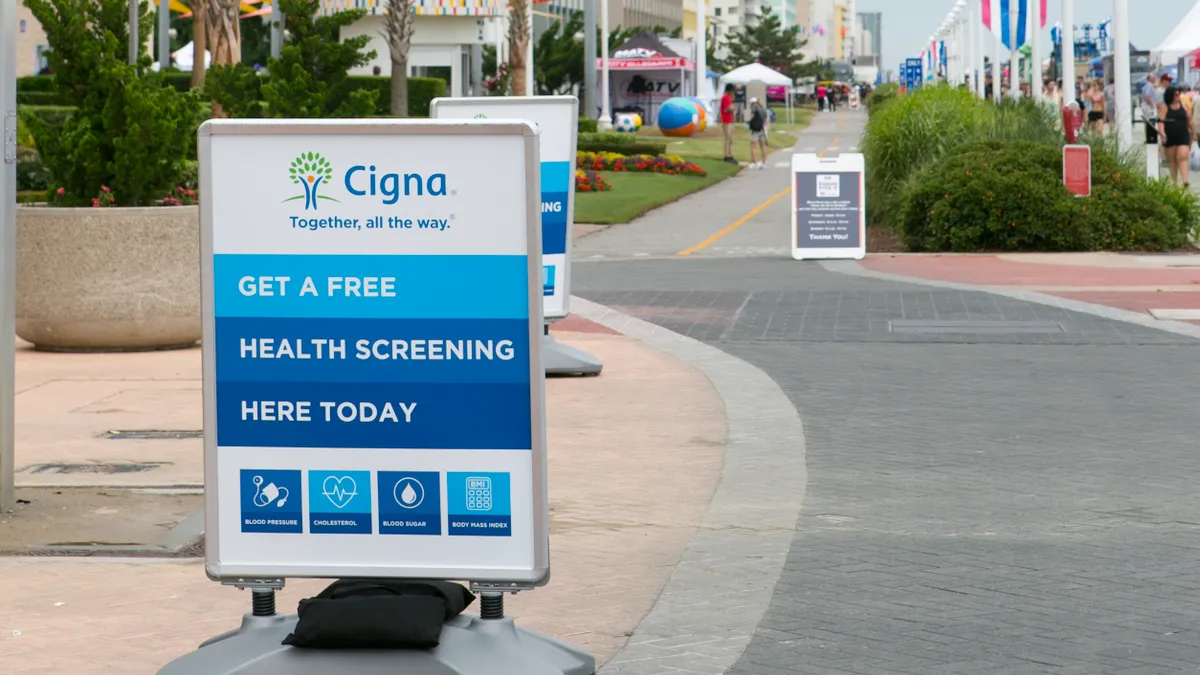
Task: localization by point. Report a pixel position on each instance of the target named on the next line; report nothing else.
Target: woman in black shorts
(1175, 127)
(1096, 102)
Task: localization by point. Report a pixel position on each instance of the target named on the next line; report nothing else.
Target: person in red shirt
(727, 122)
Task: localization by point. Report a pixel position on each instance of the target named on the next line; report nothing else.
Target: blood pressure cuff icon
(378, 614)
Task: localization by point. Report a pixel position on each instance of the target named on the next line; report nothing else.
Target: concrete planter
(108, 279)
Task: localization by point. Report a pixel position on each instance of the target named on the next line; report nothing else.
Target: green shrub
(310, 78)
(31, 171)
(52, 115)
(35, 83)
(178, 79)
(189, 175)
(930, 123)
(627, 149)
(609, 137)
(38, 98)
(1009, 196)
(421, 91)
(881, 95)
(31, 197)
(129, 130)
(588, 125)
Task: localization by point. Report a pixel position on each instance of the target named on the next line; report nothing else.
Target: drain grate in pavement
(973, 327)
(56, 468)
(147, 434)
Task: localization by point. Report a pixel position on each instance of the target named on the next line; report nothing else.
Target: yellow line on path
(758, 209)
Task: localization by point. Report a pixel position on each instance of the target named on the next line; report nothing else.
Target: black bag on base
(378, 614)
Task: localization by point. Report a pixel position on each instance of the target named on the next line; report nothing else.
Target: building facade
(870, 25)
(31, 43)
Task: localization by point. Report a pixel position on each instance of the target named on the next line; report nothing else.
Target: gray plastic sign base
(469, 646)
(560, 359)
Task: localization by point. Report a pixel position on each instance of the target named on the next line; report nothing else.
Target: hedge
(588, 125)
(52, 114)
(421, 91)
(38, 90)
(1009, 196)
(623, 148)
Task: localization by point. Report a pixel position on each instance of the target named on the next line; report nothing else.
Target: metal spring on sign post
(491, 606)
(262, 602)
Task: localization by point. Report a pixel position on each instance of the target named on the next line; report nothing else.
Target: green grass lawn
(636, 193)
(711, 144)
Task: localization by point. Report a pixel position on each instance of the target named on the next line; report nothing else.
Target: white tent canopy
(183, 58)
(1184, 39)
(757, 72)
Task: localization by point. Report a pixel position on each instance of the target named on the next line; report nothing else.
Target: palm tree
(199, 45)
(399, 33)
(518, 45)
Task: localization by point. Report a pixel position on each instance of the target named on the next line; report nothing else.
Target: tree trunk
(199, 44)
(518, 45)
(224, 36)
(400, 86)
(399, 25)
(223, 33)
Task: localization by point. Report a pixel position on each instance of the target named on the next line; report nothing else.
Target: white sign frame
(543, 112)
(472, 558)
(848, 163)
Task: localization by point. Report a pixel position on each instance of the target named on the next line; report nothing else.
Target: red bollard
(1072, 117)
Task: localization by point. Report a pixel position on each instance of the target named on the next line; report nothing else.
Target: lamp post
(1068, 51)
(277, 31)
(1035, 50)
(589, 58)
(997, 78)
(1014, 57)
(702, 53)
(164, 34)
(8, 242)
(1121, 84)
(134, 41)
(605, 121)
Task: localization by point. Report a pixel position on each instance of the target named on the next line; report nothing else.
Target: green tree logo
(310, 170)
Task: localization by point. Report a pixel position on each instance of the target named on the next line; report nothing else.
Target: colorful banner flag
(991, 15)
(1021, 7)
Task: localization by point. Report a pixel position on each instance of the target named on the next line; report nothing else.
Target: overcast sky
(908, 23)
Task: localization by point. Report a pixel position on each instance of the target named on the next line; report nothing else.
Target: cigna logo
(310, 170)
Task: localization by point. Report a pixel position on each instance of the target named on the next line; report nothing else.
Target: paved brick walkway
(635, 457)
(1136, 283)
(976, 501)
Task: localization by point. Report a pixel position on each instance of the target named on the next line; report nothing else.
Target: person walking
(822, 98)
(1175, 127)
(759, 121)
(1096, 107)
(727, 121)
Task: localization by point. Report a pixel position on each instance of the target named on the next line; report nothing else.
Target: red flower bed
(670, 165)
(590, 181)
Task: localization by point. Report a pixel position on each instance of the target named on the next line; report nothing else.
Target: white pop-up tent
(757, 72)
(1181, 41)
(184, 58)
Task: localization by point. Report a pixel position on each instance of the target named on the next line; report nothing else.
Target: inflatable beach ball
(703, 112)
(678, 117)
(626, 122)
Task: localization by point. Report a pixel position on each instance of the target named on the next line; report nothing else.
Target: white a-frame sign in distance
(557, 120)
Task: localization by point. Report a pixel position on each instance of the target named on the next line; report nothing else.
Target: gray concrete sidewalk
(689, 222)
